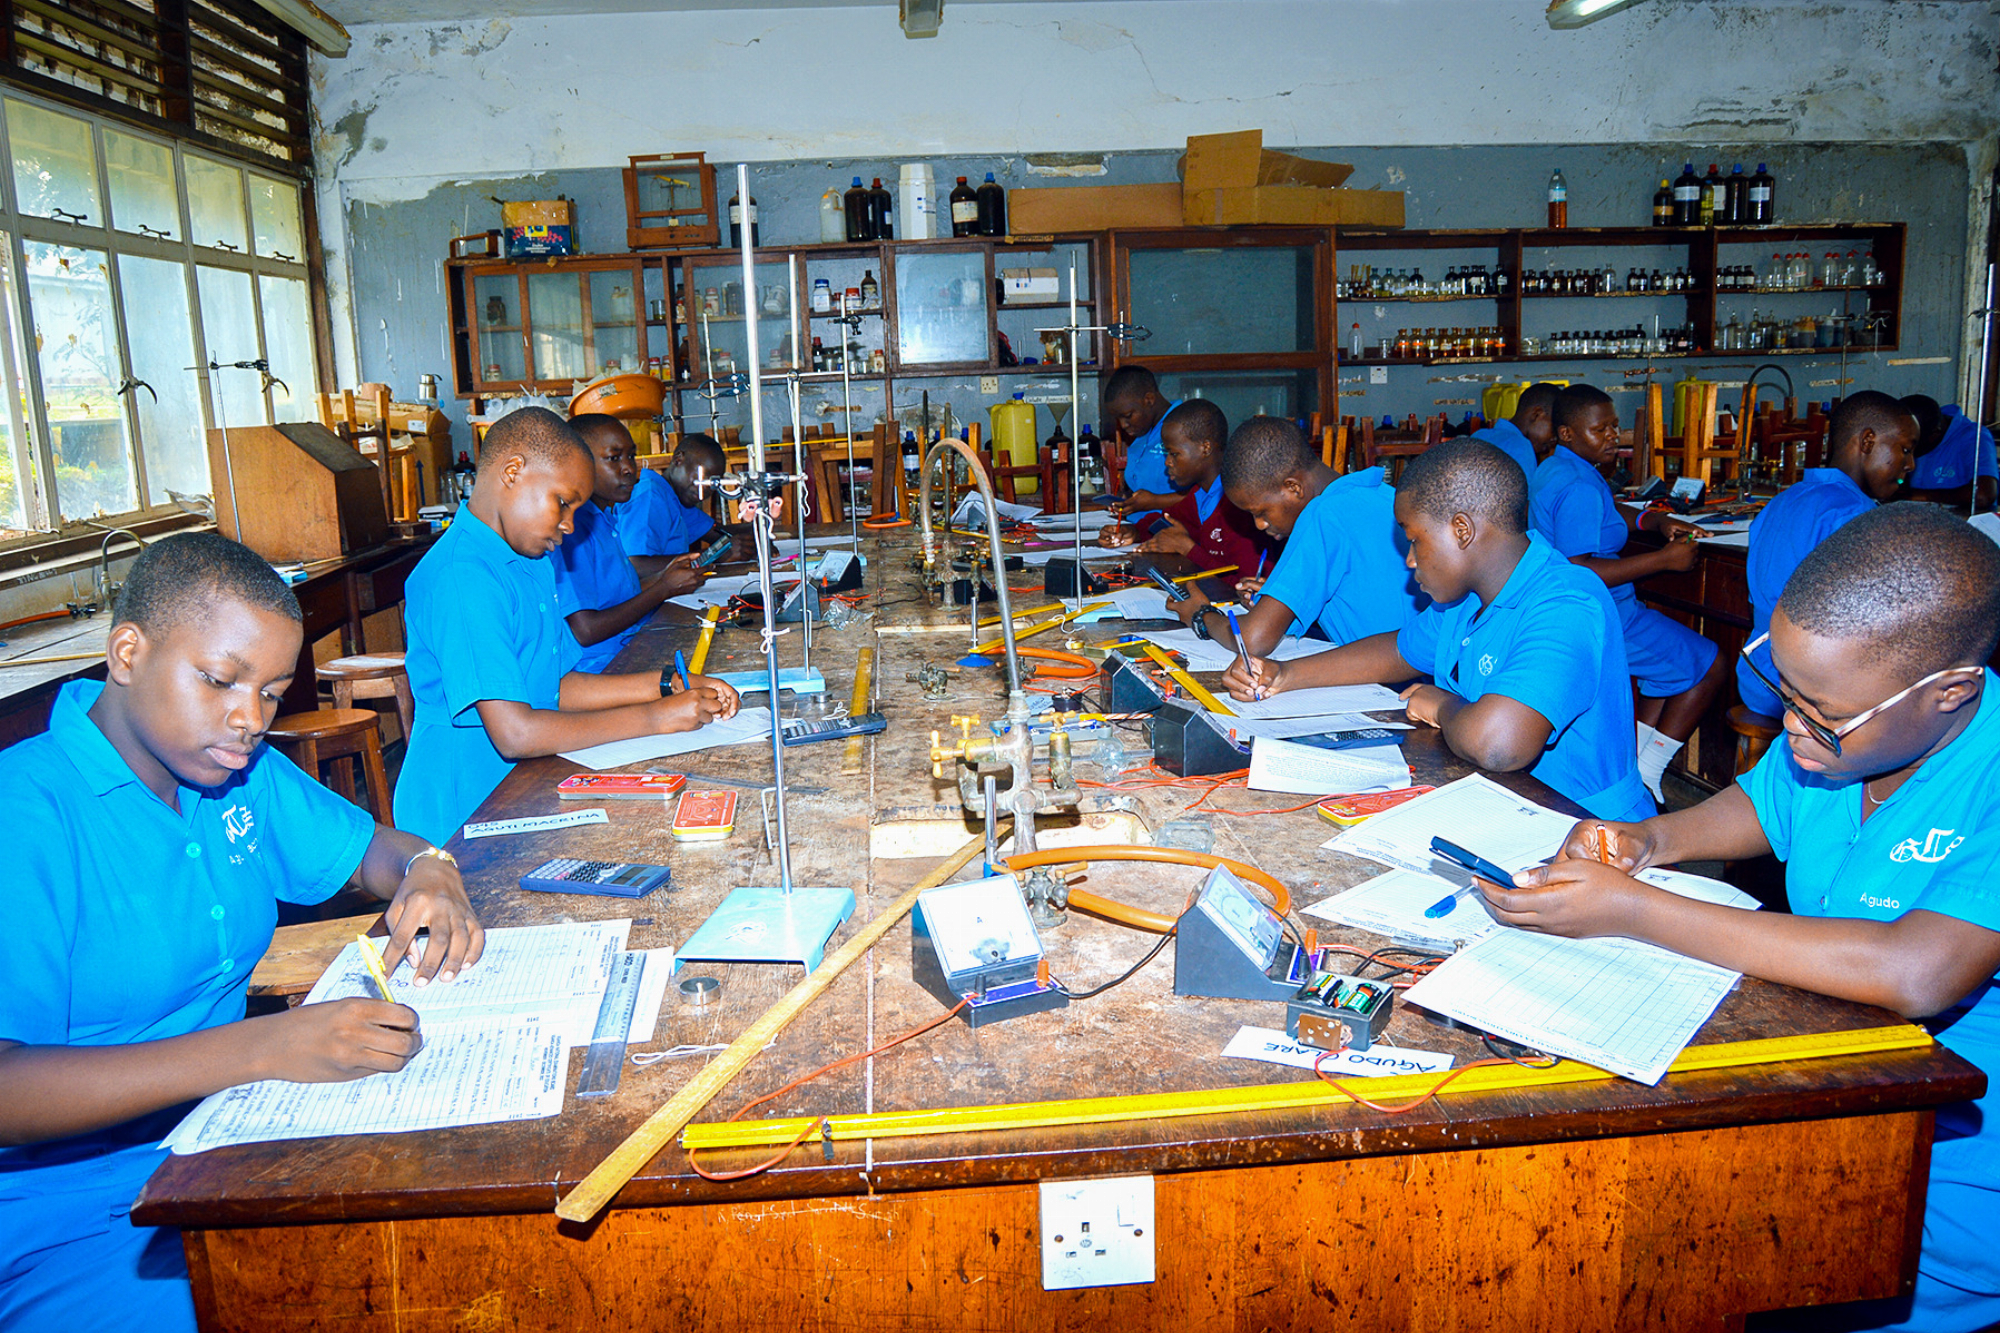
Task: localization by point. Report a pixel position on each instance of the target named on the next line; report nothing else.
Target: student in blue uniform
(155, 835)
(597, 590)
(1133, 409)
(1341, 567)
(1884, 805)
(492, 665)
(1677, 671)
(664, 516)
(1529, 435)
(1955, 458)
(1869, 446)
(1524, 647)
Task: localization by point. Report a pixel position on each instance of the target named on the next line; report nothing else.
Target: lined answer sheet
(1614, 1003)
(1207, 655)
(749, 724)
(470, 1072)
(1318, 700)
(1475, 812)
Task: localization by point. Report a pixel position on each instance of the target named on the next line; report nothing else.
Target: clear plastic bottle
(1558, 200)
(1354, 341)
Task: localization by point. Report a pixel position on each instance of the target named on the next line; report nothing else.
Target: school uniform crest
(238, 822)
(1487, 665)
(1931, 850)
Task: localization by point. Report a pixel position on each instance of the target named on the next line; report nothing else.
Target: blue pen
(1446, 905)
(681, 665)
(1256, 691)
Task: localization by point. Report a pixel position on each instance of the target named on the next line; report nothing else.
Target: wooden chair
(372, 676)
(337, 737)
(1700, 451)
(1004, 473)
(888, 492)
(1754, 734)
(361, 417)
(1389, 451)
(1333, 448)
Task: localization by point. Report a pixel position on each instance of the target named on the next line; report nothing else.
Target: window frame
(38, 478)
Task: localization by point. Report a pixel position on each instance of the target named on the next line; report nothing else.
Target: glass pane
(1210, 302)
(614, 331)
(215, 203)
(288, 344)
(555, 322)
(143, 197)
(503, 351)
(718, 305)
(69, 293)
(17, 466)
(274, 209)
(229, 324)
(159, 335)
(941, 307)
(1242, 394)
(55, 168)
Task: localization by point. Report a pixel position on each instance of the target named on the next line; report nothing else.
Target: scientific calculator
(614, 879)
(798, 731)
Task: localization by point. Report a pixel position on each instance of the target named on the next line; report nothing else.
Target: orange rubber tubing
(1080, 667)
(892, 521)
(1137, 917)
(30, 620)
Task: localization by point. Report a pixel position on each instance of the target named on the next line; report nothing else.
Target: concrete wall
(423, 122)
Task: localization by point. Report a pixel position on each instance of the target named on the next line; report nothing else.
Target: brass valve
(940, 753)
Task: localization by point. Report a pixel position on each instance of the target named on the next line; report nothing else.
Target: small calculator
(614, 879)
(798, 731)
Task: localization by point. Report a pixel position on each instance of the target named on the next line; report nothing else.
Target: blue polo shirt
(1342, 567)
(1146, 460)
(1965, 451)
(1550, 640)
(592, 572)
(1933, 846)
(130, 922)
(481, 623)
(1802, 516)
(655, 522)
(1505, 436)
(1206, 498)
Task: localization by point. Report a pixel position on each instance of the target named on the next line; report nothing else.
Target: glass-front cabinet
(519, 326)
(943, 311)
(720, 315)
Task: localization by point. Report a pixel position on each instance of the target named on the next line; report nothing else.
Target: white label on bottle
(736, 214)
(1760, 194)
(1687, 194)
(1558, 194)
(965, 212)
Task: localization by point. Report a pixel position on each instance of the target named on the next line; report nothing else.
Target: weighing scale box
(1126, 686)
(1230, 946)
(975, 942)
(1063, 576)
(1188, 742)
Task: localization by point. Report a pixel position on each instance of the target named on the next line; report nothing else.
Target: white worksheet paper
(1091, 552)
(1143, 602)
(1090, 520)
(1317, 701)
(718, 590)
(1290, 728)
(971, 511)
(749, 724)
(1617, 1004)
(1274, 1047)
(1475, 812)
(1207, 655)
(1308, 770)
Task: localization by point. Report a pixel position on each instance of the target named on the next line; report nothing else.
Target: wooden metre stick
(857, 704)
(596, 1190)
(698, 659)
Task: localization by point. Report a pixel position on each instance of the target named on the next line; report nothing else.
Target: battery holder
(1189, 743)
(1340, 1014)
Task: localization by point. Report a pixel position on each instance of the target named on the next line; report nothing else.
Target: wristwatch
(438, 852)
(1200, 629)
(667, 686)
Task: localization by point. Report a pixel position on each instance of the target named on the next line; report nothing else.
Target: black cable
(1130, 972)
(1500, 1048)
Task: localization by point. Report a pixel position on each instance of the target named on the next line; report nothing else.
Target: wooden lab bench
(1596, 1205)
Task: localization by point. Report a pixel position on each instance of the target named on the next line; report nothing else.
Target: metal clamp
(700, 994)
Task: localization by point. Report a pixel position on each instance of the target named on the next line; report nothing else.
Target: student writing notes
(663, 517)
(491, 663)
(1884, 804)
(1341, 567)
(1677, 670)
(1869, 442)
(1523, 646)
(154, 835)
(597, 590)
(1133, 410)
(1955, 457)
(1202, 524)
(1529, 435)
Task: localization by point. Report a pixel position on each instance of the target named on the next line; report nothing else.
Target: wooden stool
(372, 676)
(337, 736)
(1754, 734)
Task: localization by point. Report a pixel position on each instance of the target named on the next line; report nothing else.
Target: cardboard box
(1030, 284)
(539, 227)
(1293, 206)
(1092, 208)
(1240, 160)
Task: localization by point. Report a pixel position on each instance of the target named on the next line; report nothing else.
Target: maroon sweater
(1228, 537)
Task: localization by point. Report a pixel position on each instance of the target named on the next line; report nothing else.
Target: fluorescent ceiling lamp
(310, 22)
(1576, 13)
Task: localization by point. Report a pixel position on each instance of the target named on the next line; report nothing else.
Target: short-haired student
(1523, 646)
(663, 517)
(1341, 567)
(1133, 408)
(1678, 671)
(491, 663)
(1884, 805)
(1956, 464)
(1869, 442)
(1202, 524)
(156, 834)
(597, 590)
(1529, 435)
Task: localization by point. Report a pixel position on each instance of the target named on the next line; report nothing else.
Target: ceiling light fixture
(1576, 13)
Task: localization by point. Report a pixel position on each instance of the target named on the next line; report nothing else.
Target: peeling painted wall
(422, 122)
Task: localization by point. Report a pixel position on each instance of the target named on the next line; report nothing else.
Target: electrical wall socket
(1378, 374)
(989, 384)
(1097, 1233)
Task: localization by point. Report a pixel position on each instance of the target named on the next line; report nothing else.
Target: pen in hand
(1243, 653)
(1446, 905)
(373, 961)
(1603, 844)
(681, 667)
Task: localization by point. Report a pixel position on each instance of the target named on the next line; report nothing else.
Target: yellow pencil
(374, 963)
